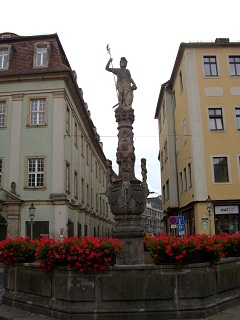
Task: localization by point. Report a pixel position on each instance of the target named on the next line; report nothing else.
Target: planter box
(143, 292)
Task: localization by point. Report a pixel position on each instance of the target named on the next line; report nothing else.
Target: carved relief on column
(125, 152)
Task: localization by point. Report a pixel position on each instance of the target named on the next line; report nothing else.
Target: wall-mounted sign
(226, 210)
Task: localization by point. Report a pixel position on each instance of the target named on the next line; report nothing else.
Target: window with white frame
(4, 58)
(234, 64)
(220, 169)
(68, 120)
(41, 55)
(237, 115)
(36, 172)
(37, 112)
(215, 118)
(2, 114)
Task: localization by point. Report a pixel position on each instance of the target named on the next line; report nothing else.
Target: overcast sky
(147, 33)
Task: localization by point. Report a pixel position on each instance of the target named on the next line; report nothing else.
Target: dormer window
(5, 53)
(41, 55)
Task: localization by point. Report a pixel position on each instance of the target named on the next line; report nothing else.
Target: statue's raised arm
(125, 84)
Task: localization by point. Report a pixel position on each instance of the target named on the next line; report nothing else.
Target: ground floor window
(227, 219)
(40, 229)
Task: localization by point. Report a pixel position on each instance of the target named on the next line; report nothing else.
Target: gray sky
(147, 33)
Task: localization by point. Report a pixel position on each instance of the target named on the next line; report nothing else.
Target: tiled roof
(23, 55)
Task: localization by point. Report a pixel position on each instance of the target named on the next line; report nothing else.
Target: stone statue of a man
(125, 83)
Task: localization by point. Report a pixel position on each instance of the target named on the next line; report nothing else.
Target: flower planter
(199, 257)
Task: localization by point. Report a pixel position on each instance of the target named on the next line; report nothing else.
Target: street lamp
(32, 210)
(209, 209)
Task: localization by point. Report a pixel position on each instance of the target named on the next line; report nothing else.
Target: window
(185, 179)
(161, 159)
(87, 153)
(164, 110)
(181, 183)
(96, 169)
(237, 114)
(210, 66)
(189, 175)
(181, 81)
(75, 184)
(40, 229)
(67, 177)
(37, 112)
(96, 202)
(82, 145)
(234, 64)
(82, 189)
(215, 118)
(87, 190)
(36, 173)
(165, 151)
(68, 120)
(91, 198)
(167, 190)
(2, 113)
(76, 134)
(91, 161)
(220, 167)
(79, 229)
(4, 57)
(1, 172)
(174, 100)
(41, 55)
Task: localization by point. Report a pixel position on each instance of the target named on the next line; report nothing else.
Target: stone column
(127, 195)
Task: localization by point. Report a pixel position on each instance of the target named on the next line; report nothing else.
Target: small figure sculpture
(125, 84)
(144, 170)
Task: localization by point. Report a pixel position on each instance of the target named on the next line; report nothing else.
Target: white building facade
(51, 155)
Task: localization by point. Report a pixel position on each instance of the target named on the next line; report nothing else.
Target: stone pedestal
(127, 195)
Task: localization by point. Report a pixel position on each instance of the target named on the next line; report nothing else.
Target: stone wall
(125, 292)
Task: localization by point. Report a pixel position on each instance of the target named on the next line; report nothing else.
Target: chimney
(222, 40)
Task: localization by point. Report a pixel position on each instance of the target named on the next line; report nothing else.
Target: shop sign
(226, 210)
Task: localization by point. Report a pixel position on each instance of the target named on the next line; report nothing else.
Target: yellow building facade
(198, 113)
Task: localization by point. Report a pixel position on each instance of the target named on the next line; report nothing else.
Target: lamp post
(32, 210)
(209, 209)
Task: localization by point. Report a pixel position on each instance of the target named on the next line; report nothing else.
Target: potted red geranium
(17, 249)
